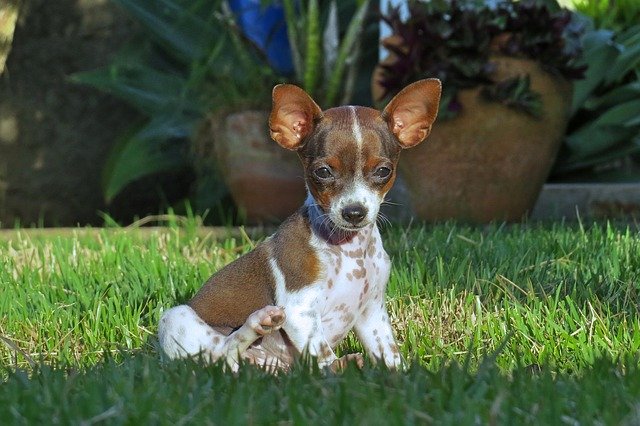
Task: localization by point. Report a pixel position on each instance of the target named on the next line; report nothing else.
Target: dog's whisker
(383, 220)
(391, 203)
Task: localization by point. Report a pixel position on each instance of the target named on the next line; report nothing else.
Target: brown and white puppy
(324, 272)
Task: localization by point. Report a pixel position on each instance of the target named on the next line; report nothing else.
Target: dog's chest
(355, 275)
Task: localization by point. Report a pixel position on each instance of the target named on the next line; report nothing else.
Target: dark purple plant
(453, 40)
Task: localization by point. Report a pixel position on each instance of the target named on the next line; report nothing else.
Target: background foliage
(191, 60)
(603, 137)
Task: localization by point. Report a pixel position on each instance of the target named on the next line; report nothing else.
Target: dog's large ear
(293, 115)
(411, 113)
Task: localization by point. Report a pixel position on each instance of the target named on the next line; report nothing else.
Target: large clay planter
(490, 162)
(265, 180)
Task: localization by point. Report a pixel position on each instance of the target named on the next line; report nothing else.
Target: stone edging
(588, 200)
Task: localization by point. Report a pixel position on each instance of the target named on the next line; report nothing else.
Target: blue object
(266, 27)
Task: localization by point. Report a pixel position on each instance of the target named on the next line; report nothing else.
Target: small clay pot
(265, 181)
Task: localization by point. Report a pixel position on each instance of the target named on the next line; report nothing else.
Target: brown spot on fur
(338, 261)
(216, 340)
(394, 349)
(360, 273)
(325, 350)
(349, 276)
(341, 307)
(355, 253)
(366, 286)
(330, 283)
(347, 318)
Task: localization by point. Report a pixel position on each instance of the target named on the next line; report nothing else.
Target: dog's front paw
(342, 362)
(267, 319)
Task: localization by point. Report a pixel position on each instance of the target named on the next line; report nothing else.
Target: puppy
(324, 272)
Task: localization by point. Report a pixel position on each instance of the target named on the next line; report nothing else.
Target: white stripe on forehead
(357, 132)
(357, 135)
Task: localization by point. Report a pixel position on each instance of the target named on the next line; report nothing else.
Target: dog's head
(350, 153)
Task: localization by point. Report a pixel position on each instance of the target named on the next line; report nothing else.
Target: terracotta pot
(490, 162)
(265, 180)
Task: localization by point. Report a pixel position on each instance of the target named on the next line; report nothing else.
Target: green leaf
(168, 126)
(313, 51)
(292, 33)
(599, 53)
(173, 25)
(614, 97)
(629, 37)
(577, 162)
(593, 139)
(346, 52)
(145, 88)
(634, 122)
(331, 39)
(628, 59)
(619, 114)
(138, 156)
(608, 130)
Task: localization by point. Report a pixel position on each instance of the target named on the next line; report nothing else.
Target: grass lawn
(523, 324)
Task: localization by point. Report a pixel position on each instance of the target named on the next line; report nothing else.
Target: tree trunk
(9, 10)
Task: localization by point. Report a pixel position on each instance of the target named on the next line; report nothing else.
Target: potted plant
(187, 61)
(204, 87)
(264, 180)
(506, 68)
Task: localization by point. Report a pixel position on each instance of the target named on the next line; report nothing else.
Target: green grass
(525, 324)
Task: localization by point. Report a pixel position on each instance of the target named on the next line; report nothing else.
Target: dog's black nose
(354, 213)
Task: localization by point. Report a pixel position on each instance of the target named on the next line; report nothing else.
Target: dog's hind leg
(182, 333)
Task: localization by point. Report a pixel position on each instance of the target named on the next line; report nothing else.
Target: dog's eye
(382, 172)
(323, 173)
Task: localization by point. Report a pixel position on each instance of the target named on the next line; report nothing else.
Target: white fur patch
(358, 193)
(278, 278)
(182, 333)
(303, 325)
(357, 131)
